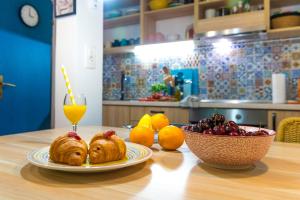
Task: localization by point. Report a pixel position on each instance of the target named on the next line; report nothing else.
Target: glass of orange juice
(74, 110)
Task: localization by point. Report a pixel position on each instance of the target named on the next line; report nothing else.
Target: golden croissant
(106, 147)
(69, 149)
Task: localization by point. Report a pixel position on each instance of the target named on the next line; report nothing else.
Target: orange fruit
(170, 137)
(159, 121)
(142, 135)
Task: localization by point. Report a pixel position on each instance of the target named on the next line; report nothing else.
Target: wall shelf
(236, 23)
(283, 3)
(122, 21)
(178, 11)
(212, 4)
(116, 50)
(284, 32)
(248, 21)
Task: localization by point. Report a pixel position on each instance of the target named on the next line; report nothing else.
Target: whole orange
(142, 135)
(170, 137)
(159, 121)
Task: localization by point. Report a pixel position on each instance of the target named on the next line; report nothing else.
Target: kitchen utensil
(113, 14)
(210, 13)
(230, 152)
(284, 20)
(173, 37)
(132, 10)
(124, 42)
(116, 43)
(108, 44)
(159, 37)
(131, 41)
(135, 154)
(137, 41)
(189, 32)
(223, 11)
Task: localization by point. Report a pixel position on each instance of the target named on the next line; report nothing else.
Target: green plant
(158, 87)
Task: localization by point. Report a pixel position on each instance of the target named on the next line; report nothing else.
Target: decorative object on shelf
(210, 13)
(64, 8)
(158, 4)
(29, 15)
(284, 20)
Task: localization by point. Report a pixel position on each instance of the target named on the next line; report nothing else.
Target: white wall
(174, 26)
(73, 34)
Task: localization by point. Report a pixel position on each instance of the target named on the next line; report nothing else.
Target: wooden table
(168, 175)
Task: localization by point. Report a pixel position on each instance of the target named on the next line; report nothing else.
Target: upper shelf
(283, 3)
(122, 21)
(178, 11)
(117, 50)
(246, 22)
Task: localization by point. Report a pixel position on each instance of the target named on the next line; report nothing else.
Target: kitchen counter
(167, 175)
(143, 103)
(268, 106)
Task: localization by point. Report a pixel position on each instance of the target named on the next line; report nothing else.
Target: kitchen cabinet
(124, 115)
(175, 115)
(275, 117)
(116, 116)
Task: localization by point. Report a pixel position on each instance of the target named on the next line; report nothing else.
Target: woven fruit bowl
(230, 152)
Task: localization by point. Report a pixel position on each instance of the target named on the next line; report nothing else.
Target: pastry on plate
(106, 147)
(69, 149)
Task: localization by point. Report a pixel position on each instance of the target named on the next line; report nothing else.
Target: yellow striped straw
(63, 69)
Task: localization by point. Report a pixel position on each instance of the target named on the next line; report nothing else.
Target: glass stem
(75, 128)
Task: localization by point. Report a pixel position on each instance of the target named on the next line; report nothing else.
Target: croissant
(106, 147)
(69, 149)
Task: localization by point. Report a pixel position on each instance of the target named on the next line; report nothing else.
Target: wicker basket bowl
(285, 20)
(229, 152)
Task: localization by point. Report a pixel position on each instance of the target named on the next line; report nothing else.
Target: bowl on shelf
(131, 10)
(230, 152)
(113, 14)
(158, 4)
(285, 20)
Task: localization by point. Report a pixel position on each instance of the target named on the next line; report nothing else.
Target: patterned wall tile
(243, 73)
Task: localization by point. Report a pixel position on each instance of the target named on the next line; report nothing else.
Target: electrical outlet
(90, 57)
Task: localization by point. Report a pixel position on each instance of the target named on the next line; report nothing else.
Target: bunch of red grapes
(217, 125)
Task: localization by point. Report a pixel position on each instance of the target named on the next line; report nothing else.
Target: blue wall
(25, 59)
(10, 20)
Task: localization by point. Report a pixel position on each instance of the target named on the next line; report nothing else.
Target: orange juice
(74, 112)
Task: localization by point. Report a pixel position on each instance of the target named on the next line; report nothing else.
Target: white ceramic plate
(135, 154)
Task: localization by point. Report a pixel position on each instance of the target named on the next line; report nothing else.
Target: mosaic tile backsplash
(244, 71)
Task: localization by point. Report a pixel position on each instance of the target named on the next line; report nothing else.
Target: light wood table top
(168, 175)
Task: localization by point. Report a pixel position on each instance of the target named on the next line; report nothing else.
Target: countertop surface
(268, 106)
(167, 175)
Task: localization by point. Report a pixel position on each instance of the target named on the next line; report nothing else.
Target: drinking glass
(74, 110)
